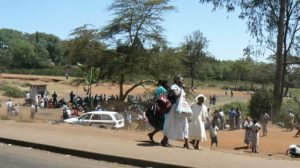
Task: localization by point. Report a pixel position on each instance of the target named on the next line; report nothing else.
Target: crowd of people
(190, 127)
(181, 121)
(174, 123)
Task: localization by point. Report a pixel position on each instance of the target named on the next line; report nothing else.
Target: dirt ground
(274, 144)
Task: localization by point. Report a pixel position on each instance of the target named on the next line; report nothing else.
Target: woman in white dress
(197, 125)
(176, 126)
(248, 131)
(255, 136)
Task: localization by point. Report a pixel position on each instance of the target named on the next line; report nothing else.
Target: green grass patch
(12, 91)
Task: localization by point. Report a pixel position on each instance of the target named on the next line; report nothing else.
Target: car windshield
(118, 116)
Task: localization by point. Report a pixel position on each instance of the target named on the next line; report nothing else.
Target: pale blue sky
(226, 33)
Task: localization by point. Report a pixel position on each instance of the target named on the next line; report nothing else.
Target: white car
(107, 119)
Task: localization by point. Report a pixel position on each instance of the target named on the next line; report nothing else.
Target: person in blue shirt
(232, 117)
(163, 87)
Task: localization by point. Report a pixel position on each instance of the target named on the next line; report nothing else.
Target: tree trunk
(287, 86)
(277, 94)
(192, 81)
(121, 95)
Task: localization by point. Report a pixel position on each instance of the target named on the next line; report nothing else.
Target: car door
(107, 120)
(84, 119)
(96, 119)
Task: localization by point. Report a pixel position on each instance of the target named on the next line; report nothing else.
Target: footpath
(107, 145)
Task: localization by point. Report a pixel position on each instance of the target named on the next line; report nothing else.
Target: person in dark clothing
(54, 99)
(72, 95)
(163, 87)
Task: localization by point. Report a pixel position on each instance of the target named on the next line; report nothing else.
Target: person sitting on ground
(293, 150)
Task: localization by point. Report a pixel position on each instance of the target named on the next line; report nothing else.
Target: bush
(260, 103)
(11, 91)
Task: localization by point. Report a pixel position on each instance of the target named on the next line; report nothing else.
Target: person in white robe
(255, 136)
(247, 126)
(197, 125)
(176, 126)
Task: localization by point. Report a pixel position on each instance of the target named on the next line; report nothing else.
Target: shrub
(260, 103)
(11, 91)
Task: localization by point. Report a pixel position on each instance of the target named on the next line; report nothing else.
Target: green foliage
(163, 63)
(56, 71)
(136, 22)
(84, 47)
(36, 50)
(11, 91)
(260, 102)
(194, 53)
(289, 103)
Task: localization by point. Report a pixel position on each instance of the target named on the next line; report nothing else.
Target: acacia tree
(194, 49)
(84, 46)
(275, 25)
(136, 25)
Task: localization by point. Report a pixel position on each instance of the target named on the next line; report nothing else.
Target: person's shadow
(241, 148)
(146, 143)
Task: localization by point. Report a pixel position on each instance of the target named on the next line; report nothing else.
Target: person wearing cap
(197, 125)
(176, 127)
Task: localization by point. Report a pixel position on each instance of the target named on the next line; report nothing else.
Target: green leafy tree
(48, 45)
(240, 70)
(164, 63)
(25, 50)
(194, 50)
(135, 27)
(24, 55)
(261, 102)
(84, 47)
(274, 24)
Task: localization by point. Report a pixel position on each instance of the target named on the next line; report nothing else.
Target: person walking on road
(264, 120)
(176, 127)
(255, 136)
(163, 87)
(197, 125)
(247, 126)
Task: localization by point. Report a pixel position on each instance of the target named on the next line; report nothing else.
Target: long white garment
(248, 131)
(255, 136)
(175, 126)
(197, 125)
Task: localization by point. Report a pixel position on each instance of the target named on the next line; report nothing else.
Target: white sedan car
(107, 119)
